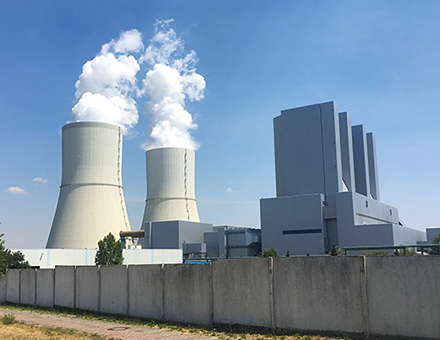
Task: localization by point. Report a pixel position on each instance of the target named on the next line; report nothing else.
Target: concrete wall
(145, 286)
(380, 296)
(319, 293)
(64, 295)
(241, 292)
(45, 288)
(188, 293)
(87, 288)
(2, 289)
(403, 295)
(27, 287)
(113, 289)
(13, 285)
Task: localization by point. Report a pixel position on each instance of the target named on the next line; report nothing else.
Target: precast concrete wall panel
(2, 288)
(319, 293)
(114, 294)
(64, 289)
(145, 286)
(27, 287)
(241, 292)
(13, 285)
(87, 288)
(45, 288)
(403, 295)
(188, 293)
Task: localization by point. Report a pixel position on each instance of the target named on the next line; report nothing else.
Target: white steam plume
(107, 82)
(171, 80)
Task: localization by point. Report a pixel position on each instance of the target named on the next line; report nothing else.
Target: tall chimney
(91, 202)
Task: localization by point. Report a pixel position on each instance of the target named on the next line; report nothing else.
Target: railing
(401, 247)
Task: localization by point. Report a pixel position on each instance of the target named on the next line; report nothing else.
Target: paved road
(106, 329)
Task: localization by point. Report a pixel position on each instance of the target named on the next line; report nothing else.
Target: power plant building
(91, 202)
(327, 187)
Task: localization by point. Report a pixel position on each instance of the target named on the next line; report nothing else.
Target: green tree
(11, 260)
(109, 252)
(435, 250)
(270, 253)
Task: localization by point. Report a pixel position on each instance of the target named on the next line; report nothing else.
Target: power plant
(91, 202)
(326, 182)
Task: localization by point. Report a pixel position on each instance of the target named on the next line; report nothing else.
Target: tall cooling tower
(91, 202)
(170, 186)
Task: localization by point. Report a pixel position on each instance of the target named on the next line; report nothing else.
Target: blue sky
(378, 60)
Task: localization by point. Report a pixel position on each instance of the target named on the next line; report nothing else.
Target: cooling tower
(91, 202)
(170, 186)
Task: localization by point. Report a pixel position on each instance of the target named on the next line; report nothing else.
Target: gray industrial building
(227, 241)
(327, 187)
(199, 240)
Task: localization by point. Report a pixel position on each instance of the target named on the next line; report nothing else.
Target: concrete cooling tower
(91, 202)
(170, 186)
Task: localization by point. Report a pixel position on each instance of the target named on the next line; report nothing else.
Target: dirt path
(106, 329)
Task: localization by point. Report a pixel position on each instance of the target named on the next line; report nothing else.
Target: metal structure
(91, 202)
(170, 186)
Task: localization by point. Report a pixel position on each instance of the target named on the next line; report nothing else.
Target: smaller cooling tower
(170, 186)
(91, 202)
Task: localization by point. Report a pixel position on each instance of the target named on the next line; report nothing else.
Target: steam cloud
(108, 83)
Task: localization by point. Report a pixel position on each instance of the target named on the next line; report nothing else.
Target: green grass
(8, 319)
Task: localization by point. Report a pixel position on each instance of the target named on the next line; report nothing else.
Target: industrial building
(327, 187)
(228, 241)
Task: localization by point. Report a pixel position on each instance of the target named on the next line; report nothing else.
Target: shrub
(8, 319)
(270, 253)
(375, 253)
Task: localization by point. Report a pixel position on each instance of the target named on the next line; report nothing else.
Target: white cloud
(230, 190)
(39, 180)
(17, 190)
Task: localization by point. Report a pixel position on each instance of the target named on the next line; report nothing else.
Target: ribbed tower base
(91, 202)
(170, 185)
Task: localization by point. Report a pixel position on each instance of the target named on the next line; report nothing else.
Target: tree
(109, 252)
(435, 250)
(11, 260)
(270, 253)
